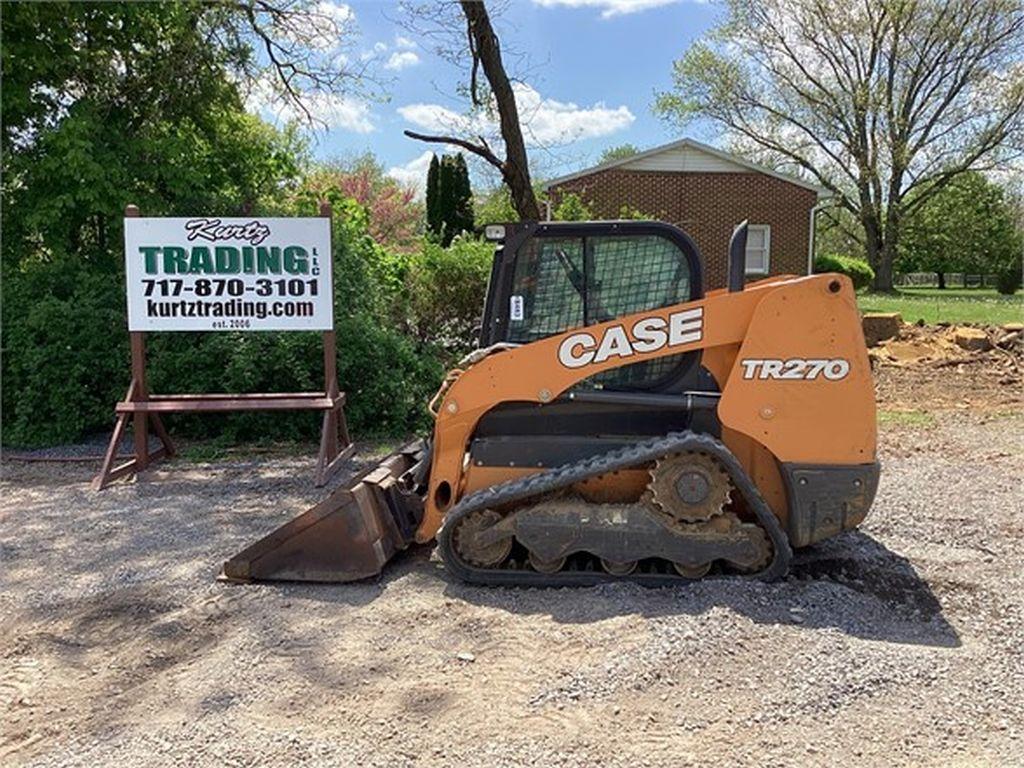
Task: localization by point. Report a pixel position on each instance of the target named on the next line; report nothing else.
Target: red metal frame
(144, 409)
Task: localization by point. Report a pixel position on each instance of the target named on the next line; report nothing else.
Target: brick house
(707, 192)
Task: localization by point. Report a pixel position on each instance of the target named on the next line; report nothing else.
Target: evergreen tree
(434, 197)
(449, 198)
(462, 215)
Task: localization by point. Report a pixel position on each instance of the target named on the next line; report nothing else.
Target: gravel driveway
(900, 644)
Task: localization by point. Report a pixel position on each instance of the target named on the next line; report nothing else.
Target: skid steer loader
(617, 422)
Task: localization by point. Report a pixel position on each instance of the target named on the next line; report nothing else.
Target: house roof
(724, 161)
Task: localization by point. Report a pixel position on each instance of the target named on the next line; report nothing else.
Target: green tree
(434, 196)
(967, 227)
(447, 192)
(462, 209)
(110, 103)
(449, 199)
(493, 207)
(883, 103)
(620, 152)
(144, 113)
(838, 232)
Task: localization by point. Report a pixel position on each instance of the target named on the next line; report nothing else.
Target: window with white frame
(759, 246)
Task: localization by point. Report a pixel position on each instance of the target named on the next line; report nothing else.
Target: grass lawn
(951, 305)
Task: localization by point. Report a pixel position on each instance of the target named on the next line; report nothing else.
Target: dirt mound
(946, 366)
(952, 344)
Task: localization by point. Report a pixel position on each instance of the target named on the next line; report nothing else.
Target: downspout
(818, 206)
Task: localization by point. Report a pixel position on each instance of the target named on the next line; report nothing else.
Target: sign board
(228, 274)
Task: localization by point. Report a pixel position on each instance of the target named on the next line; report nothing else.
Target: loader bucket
(348, 536)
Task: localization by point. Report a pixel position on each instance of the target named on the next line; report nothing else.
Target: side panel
(801, 384)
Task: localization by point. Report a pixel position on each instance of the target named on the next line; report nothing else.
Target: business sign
(228, 274)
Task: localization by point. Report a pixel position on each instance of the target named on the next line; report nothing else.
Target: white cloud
(339, 12)
(545, 121)
(404, 42)
(434, 117)
(341, 112)
(608, 8)
(413, 174)
(333, 110)
(555, 122)
(377, 50)
(400, 60)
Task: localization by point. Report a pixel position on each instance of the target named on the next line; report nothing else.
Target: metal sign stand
(144, 409)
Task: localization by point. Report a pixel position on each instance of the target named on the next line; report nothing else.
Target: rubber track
(569, 474)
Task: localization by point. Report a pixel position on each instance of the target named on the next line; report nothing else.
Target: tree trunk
(884, 272)
(942, 279)
(515, 170)
(887, 238)
(873, 247)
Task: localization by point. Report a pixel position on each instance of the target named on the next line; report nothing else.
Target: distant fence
(931, 280)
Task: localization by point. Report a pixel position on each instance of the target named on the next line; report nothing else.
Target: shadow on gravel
(852, 583)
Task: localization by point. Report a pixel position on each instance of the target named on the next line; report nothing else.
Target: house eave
(820, 191)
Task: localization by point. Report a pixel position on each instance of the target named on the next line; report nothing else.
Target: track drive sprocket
(690, 487)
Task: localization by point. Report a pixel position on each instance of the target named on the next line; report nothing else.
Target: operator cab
(551, 277)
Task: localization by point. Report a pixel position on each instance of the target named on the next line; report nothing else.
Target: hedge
(858, 270)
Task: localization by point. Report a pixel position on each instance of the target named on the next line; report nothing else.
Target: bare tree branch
(296, 52)
(479, 150)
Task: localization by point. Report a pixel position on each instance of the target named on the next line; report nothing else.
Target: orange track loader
(617, 422)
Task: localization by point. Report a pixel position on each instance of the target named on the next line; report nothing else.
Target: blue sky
(593, 69)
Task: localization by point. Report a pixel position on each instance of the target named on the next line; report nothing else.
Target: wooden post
(140, 439)
(138, 392)
(334, 425)
(330, 358)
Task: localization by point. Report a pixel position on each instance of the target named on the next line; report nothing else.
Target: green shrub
(65, 351)
(494, 207)
(859, 271)
(388, 378)
(572, 208)
(1008, 281)
(66, 362)
(632, 213)
(446, 289)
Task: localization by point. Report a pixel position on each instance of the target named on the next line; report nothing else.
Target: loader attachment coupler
(348, 536)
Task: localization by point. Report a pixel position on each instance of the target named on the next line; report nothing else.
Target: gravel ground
(900, 644)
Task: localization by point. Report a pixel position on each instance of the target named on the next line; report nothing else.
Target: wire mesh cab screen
(572, 276)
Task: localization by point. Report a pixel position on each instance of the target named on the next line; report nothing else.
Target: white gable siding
(683, 159)
(686, 156)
